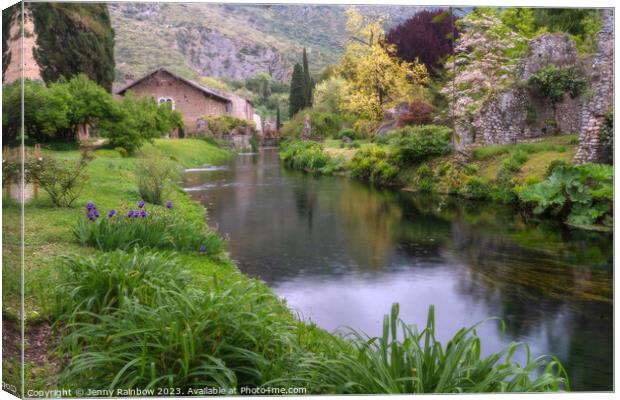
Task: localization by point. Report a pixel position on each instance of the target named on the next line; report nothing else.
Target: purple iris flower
(169, 204)
(90, 216)
(111, 213)
(143, 213)
(141, 204)
(130, 213)
(90, 205)
(95, 213)
(203, 249)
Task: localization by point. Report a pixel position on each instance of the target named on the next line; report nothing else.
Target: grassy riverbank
(139, 317)
(536, 176)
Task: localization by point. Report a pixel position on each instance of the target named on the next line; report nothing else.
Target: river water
(341, 252)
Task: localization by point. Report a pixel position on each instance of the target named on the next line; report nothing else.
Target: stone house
(192, 100)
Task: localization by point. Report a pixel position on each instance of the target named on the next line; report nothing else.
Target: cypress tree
(74, 38)
(278, 119)
(307, 80)
(298, 95)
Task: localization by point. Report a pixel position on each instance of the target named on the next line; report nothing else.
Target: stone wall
(593, 113)
(517, 114)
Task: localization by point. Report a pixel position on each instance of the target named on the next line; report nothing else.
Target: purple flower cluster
(137, 213)
(91, 211)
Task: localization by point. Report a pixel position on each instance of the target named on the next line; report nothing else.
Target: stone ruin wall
(602, 78)
(515, 115)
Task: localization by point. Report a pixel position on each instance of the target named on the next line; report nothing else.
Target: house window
(170, 100)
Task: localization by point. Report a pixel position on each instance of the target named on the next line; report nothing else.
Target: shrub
(121, 151)
(476, 188)
(158, 229)
(418, 113)
(62, 180)
(553, 82)
(553, 165)
(254, 143)
(414, 144)
(304, 155)
(607, 138)
(154, 177)
(350, 133)
(225, 124)
(135, 122)
(425, 180)
(515, 161)
(323, 124)
(582, 195)
(374, 164)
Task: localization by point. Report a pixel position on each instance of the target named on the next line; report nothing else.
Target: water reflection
(341, 253)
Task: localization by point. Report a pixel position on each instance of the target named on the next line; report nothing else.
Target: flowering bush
(157, 228)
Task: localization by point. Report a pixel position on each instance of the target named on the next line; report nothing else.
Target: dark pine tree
(278, 119)
(297, 96)
(427, 36)
(308, 80)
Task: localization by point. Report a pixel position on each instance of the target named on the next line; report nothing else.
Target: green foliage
(156, 229)
(74, 39)
(137, 121)
(406, 359)
(520, 20)
(225, 124)
(425, 181)
(553, 82)
(155, 176)
(54, 112)
(304, 155)
(553, 165)
(582, 195)
(476, 188)
(581, 23)
(155, 330)
(63, 180)
(414, 144)
(350, 133)
(100, 285)
(323, 124)
(298, 93)
(607, 138)
(374, 164)
(308, 80)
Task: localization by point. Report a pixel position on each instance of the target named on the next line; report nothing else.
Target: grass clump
(408, 360)
(157, 228)
(155, 177)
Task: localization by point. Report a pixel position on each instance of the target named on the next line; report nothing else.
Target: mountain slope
(232, 41)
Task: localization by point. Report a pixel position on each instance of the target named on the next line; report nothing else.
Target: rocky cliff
(230, 40)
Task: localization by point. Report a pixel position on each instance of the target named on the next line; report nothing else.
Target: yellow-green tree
(375, 78)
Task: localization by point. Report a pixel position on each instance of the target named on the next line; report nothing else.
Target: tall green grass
(407, 360)
(157, 228)
(137, 321)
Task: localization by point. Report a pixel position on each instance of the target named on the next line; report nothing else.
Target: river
(341, 252)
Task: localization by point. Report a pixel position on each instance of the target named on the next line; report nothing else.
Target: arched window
(170, 100)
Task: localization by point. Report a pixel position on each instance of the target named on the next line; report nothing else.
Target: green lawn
(48, 229)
